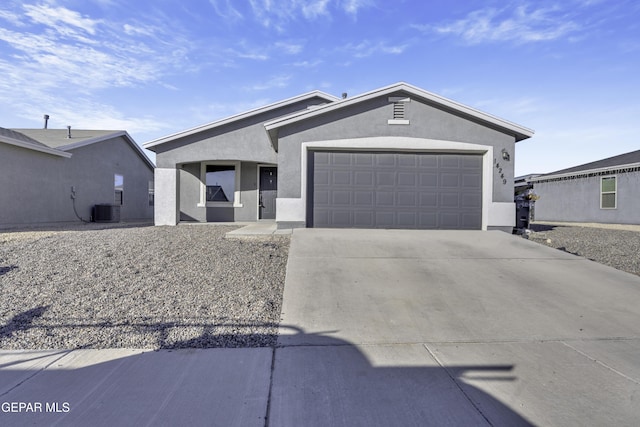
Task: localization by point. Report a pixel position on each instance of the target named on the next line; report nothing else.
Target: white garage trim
(294, 209)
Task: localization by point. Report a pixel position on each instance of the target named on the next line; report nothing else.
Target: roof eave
(116, 134)
(47, 150)
(239, 116)
(519, 132)
(585, 171)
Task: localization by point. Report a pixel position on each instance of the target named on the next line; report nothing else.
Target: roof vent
(344, 95)
(46, 120)
(68, 132)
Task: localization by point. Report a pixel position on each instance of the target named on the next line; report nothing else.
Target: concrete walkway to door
(452, 328)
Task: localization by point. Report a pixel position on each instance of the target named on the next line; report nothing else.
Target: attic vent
(398, 110)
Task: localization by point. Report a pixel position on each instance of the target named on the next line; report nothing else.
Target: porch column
(166, 211)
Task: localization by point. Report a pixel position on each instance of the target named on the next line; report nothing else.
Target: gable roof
(519, 132)
(622, 161)
(58, 139)
(240, 116)
(12, 137)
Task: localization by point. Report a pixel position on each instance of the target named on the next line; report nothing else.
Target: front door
(267, 192)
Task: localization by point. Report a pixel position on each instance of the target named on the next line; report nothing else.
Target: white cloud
(276, 14)
(521, 24)
(307, 64)
(313, 9)
(353, 6)
(367, 48)
(56, 61)
(289, 48)
(61, 19)
(278, 82)
(225, 10)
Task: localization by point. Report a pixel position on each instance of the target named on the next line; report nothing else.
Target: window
(220, 184)
(220, 181)
(152, 193)
(608, 192)
(118, 184)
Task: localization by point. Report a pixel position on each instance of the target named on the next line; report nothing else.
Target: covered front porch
(216, 191)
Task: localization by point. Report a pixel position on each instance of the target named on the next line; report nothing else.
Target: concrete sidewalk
(379, 328)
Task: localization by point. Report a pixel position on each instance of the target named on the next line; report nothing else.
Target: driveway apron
(397, 327)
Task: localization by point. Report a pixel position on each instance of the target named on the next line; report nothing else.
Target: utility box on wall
(106, 213)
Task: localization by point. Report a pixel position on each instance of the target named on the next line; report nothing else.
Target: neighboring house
(605, 191)
(47, 176)
(395, 157)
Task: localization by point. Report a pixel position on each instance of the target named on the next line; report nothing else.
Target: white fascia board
(584, 172)
(240, 116)
(120, 133)
(35, 147)
(520, 131)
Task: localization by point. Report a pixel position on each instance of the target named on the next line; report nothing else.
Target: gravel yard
(617, 248)
(139, 287)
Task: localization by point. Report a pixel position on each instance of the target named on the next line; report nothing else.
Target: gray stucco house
(394, 157)
(59, 175)
(605, 191)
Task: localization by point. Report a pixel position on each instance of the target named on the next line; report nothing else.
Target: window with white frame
(220, 184)
(608, 192)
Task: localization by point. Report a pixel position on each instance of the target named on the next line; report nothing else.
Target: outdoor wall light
(505, 155)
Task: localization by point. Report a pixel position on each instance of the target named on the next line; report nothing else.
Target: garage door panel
(428, 162)
(343, 159)
(396, 190)
(363, 198)
(341, 218)
(449, 200)
(321, 197)
(364, 178)
(341, 198)
(341, 177)
(385, 178)
(386, 160)
(407, 200)
(428, 200)
(408, 161)
(407, 179)
(364, 219)
(471, 201)
(385, 198)
(449, 220)
(384, 219)
(429, 180)
(363, 159)
(449, 180)
(428, 220)
(321, 159)
(321, 177)
(471, 181)
(472, 162)
(407, 219)
(452, 162)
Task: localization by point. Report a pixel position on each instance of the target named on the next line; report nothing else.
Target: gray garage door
(395, 190)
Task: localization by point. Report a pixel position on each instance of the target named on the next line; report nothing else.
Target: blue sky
(569, 69)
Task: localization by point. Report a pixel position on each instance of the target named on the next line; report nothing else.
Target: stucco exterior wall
(370, 119)
(244, 140)
(578, 200)
(36, 187)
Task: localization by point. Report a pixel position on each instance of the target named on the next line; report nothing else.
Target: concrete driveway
(379, 328)
(453, 328)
